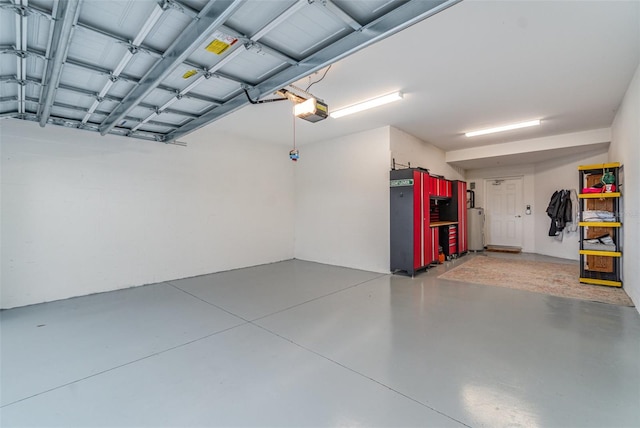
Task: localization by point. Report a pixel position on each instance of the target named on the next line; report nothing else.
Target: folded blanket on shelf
(604, 239)
(598, 247)
(597, 215)
(602, 243)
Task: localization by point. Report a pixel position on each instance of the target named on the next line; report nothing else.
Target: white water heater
(475, 225)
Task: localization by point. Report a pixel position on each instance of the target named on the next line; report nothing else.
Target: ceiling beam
(263, 47)
(100, 112)
(65, 19)
(119, 38)
(73, 123)
(55, 6)
(330, 7)
(21, 45)
(22, 53)
(26, 9)
(12, 98)
(398, 19)
(212, 16)
(14, 79)
(282, 17)
(229, 57)
(200, 67)
(135, 80)
(111, 98)
(126, 59)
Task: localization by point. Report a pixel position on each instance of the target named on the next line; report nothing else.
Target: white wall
(574, 142)
(624, 149)
(83, 214)
(342, 201)
(539, 182)
(406, 148)
(479, 176)
(551, 176)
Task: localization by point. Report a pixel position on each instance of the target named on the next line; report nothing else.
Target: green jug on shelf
(608, 180)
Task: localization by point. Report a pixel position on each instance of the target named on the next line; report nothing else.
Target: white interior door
(503, 210)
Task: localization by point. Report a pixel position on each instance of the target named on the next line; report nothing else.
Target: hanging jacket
(559, 210)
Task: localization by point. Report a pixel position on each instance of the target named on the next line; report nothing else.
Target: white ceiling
(475, 65)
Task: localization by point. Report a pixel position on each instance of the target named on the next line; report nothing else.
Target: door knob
(518, 216)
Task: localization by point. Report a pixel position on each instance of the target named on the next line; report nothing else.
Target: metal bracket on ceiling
(21, 82)
(12, 51)
(164, 4)
(250, 45)
(25, 10)
(21, 53)
(332, 9)
(133, 49)
(88, 127)
(19, 9)
(182, 8)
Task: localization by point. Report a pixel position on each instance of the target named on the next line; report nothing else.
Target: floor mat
(503, 249)
(557, 279)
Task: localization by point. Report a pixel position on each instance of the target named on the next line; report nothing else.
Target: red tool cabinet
(427, 212)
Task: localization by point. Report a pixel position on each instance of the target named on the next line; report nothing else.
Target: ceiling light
(366, 105)
(504, 128)
(312, 110)
(308, 106)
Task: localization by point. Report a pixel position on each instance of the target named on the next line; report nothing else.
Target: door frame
(485, 199)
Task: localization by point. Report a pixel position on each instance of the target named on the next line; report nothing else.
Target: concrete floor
(303, 344)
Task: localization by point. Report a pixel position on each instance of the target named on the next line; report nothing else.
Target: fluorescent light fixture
(504, 128)
(366, 105)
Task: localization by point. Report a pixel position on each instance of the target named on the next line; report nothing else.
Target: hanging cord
(293, 154)
(320, 79)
